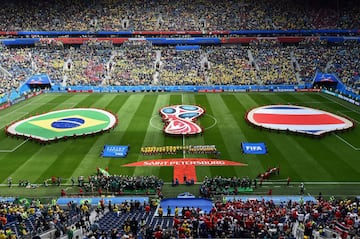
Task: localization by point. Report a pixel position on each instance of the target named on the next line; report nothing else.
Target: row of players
(191, 149)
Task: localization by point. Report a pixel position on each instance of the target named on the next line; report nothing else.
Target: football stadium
(177, 119)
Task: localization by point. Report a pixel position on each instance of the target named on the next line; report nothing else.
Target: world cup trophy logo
(180, 119)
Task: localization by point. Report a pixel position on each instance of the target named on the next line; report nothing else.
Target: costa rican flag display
(297, 119)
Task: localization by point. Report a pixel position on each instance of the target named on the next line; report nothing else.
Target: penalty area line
(346, 142)
(14, 149)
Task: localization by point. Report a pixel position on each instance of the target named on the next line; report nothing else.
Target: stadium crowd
(133, 54)
(265, 219)
(119, 184)
(101, 63)
(138, 15)
(236, 218)
(247, 219)
(225, 186)
(229, 65)
(24, 218)
(262, 63)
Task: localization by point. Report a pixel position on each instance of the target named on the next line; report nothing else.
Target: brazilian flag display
(64, 123)
(23, 201)
(104, 172)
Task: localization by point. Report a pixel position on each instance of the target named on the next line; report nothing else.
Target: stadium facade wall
(199, 33)
(177, 41)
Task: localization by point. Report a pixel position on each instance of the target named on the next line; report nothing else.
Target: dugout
(39, 81)
(327, 81)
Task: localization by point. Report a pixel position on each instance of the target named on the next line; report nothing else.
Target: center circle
(160, 127)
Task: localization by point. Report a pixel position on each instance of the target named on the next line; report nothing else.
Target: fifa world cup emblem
(181, 119)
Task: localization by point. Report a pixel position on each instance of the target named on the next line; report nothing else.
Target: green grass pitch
(332, 159)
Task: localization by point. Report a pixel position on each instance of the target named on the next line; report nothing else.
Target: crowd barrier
(17, 97)
(183, 88)
(23, 94)
(353, 99)
(7, 199)
(275, 199)
(94, 201)
(24, 91)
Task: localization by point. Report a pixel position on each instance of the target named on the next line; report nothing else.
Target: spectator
(302, 188)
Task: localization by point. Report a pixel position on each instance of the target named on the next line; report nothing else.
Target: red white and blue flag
(297, 119)
(342, 228)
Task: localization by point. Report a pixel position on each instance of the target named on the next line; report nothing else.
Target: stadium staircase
(253, 63)
(252, 60)
(157, 67)
(14, 225)
(5, 72)
(328, 66)
(296, 67)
